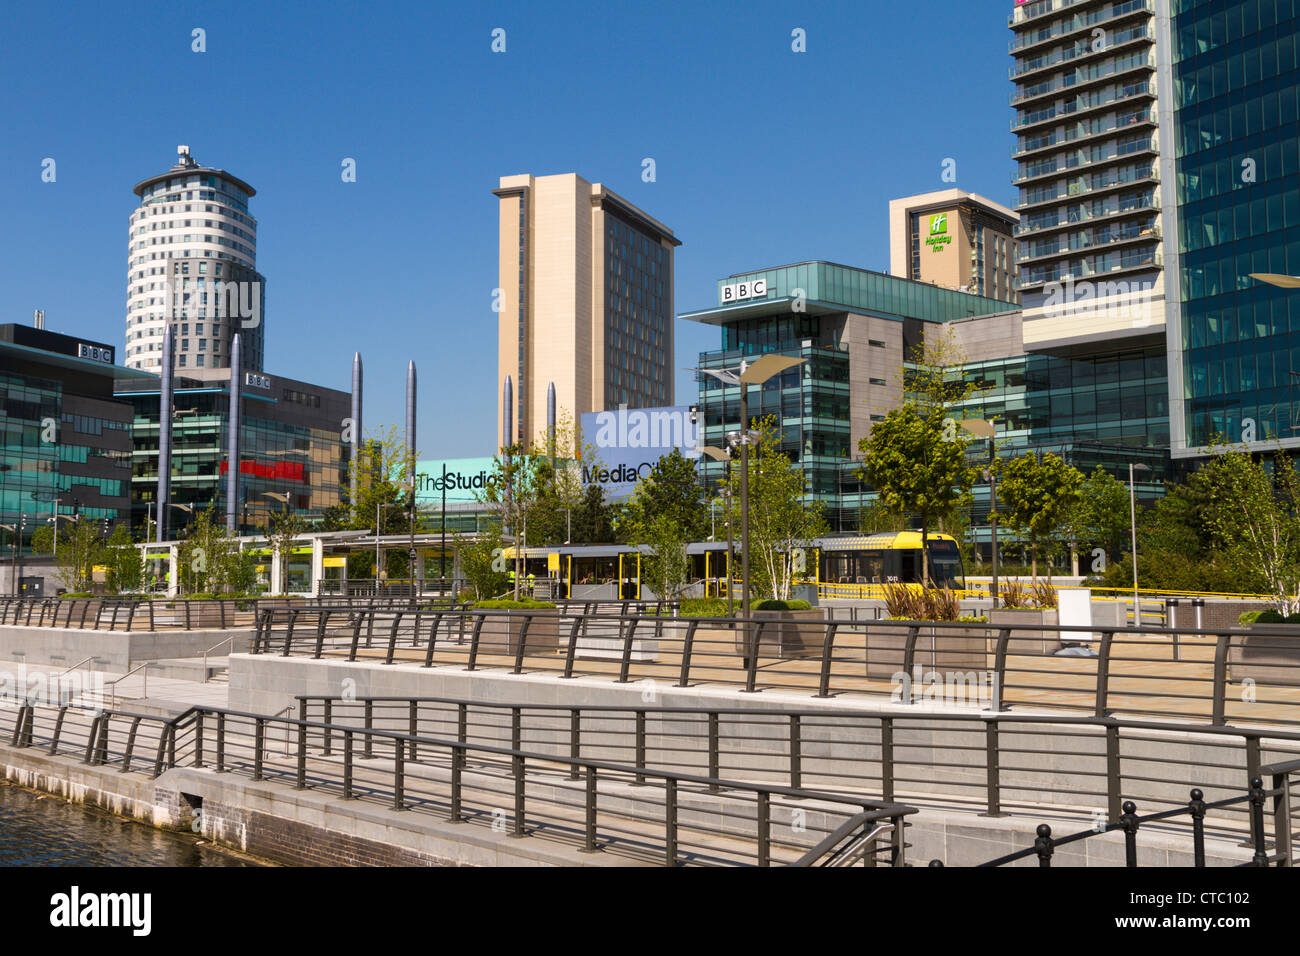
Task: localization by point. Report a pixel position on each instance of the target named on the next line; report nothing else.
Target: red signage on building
(284, 470)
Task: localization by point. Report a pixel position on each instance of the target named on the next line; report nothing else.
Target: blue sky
(763, 156)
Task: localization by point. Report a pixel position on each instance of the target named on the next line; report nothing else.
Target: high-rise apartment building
(1234, 342)
(585, 299)
(193, 264)
(955, 239)
(1093, 146)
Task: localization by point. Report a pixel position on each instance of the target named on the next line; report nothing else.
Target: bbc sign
(95, 353)
(253, 380)
(737, 291)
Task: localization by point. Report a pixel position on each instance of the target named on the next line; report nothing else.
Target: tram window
(873, 567)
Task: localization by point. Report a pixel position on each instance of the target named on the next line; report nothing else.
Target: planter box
(501, 630)
(786, 634)
(1027, 635)
(1265, 659)
(605, 640)
(945, 650)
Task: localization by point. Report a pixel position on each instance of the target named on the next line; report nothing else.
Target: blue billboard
(629, 442)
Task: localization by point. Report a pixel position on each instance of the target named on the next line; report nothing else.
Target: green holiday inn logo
(938, 237)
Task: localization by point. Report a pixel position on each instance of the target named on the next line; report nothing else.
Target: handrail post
(259, 738)
(347, 764)
(998, 703)
(828, 646)
(198, 739)
(625, 664)
(590, 807)
(1114, 782)
(1196, 807)
(764, 828)
(640, 747)
(392, 636)
(670, 821)
(369, 725)
(1260, 856)
(457, 765)
(1219, 711)
(288, 634)
(796, 754)
(433, 639)
(1103, 674)
(993, 767)
(221, 742)
(575, 741)
(474, 638)
(887, 759)
(714, 756)
(321, 618)
(572, 649)
(751, 672)
(1130, 822)
(523, 637)
(518, 766)
(302, 757)
(399, 774)
(688, 649)
(1282, 844)
(909, 662)
(1043, 845)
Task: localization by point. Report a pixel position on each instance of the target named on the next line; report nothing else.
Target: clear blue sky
(763, 156)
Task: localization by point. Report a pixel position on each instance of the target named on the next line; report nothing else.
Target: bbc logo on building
(253, 380)
(95, 353)
(744, 290)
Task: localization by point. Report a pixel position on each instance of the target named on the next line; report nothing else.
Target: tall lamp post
(717, 454)
(1132, 513)
(748, 374)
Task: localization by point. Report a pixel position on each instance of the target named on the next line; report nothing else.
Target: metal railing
(112, 684)
(1207, 675)
(160, 614)
(984, 762)
(1282, 855)
(669, 817)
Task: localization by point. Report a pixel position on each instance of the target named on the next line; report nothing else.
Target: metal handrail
(887, 647)
(113, 683)
(229, 640)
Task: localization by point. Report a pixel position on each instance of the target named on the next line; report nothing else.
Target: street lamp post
(748, 374)
(1132, 511)
(982, 429)
(717, 454)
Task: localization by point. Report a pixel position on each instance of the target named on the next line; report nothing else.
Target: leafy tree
(1038, 494)
(1253, 512)
(667, 565)
(286, 527)
(916, 461)
(593, 519)
(482, 565)
(781, 525)
(672, 490)
(124, 561)
(383, 500)
(1101, 515)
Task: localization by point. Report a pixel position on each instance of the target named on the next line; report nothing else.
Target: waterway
(38, 830)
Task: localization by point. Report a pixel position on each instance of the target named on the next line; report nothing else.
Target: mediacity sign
(630, 441)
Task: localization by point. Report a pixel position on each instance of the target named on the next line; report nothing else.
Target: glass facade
(865, 291)
(638, 313)
(280, 452)
(1237, 135)
(64, 442)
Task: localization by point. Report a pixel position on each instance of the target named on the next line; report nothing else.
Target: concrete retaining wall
(115, 651)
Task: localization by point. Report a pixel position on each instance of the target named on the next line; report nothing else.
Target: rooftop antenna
(38, 318)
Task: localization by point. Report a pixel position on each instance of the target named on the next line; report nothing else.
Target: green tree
(671, 490)
(482, 564)
(1253, 512)
(666, 565)
(781, 525)
(286, 528)
(124, 561)
(79, 550)
(593, 519)
(1038, 494)
(1101, 515)
(916, 461)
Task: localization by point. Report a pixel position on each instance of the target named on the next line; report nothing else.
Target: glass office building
(1235, 342)
(65, 442)
(290, 444)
